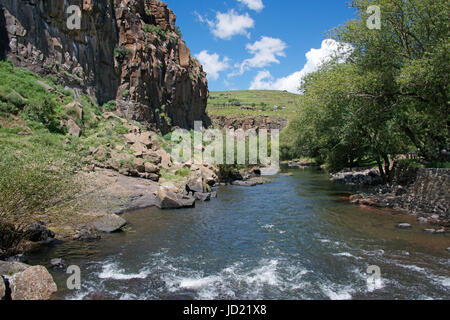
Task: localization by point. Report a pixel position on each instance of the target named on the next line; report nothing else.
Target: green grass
(261, 102)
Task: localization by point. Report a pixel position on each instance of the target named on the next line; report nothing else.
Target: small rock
(440, 231)
(57, 263)
(213, 194)
(429, 230)
(422, 220)
(404, 226)
(448, 249)
(110, 223)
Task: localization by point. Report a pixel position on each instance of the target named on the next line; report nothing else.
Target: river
(293, 238)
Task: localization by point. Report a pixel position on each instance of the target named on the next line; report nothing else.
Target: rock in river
(169, 199)
(2, 288)
(35, 283)
(110, 223)
(404, 226)
(25, 282)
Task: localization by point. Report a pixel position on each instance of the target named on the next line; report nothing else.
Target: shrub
(178, 31)
(32, 181)
(150, 28)
(121, 52)
(110, 106)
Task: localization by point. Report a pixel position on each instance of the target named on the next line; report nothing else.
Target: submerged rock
(58, 263)
(110, 223)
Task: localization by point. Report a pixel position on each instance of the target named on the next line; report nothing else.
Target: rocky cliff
(125, 50)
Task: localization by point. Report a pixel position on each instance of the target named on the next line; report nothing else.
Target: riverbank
(421, 192)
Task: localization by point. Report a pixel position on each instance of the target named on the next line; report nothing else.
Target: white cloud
(314, 59)
(265, 52)
(256, 5)
(229, 24)
(212, 63)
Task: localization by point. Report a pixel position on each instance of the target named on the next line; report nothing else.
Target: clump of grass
(150, 28)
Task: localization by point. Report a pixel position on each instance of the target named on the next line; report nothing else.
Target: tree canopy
(389, 97)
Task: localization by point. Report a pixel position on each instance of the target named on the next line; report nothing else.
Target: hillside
(252, 102)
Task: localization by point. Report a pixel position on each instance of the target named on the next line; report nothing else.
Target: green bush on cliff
(151, 28)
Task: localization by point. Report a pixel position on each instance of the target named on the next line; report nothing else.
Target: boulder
(164, 159)
(249, 183)
(153, 157)
(202, 196)
(34, 283)
(139, 164)
(151, 168)
(73, 129)
(110, 223)
(76, 108)
(2, 288)
(195, 184)
(169, 199)
(404, 226)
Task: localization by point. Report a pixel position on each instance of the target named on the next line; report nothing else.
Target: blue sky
(259, 44)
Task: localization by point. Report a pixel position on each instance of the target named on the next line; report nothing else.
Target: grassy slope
(262, 101)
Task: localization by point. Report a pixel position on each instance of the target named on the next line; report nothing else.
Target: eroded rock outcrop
(126, 50)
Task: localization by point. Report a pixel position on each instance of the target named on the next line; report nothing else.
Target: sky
(259, 44)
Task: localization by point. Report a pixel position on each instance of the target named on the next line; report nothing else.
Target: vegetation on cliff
(390, 97)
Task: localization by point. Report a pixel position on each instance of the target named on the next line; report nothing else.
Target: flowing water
(294, 238)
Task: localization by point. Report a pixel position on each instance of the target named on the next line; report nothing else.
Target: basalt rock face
(126, 50)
